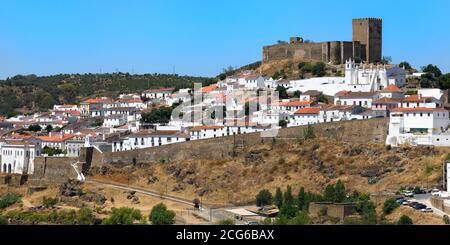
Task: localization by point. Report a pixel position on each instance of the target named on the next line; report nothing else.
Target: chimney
(61, 134)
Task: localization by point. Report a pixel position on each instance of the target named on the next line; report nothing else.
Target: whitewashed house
(206, 132)
(160, 93)
(419, 126)
(115, 120)
(18, 157)
(254, 82)
(363, 99)
(304, 116)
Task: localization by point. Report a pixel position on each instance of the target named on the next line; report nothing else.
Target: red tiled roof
(416, 98)
(392, 88)
(311, 110)
(56, 138)
(19, 143)
(295, 103)
(209, 88)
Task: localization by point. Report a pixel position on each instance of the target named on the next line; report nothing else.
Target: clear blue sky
(201, 37)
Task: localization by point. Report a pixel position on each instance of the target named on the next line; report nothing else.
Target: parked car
(406, 203)
(427, 210)
(408, 194)
(412, 204)
(435, 193)
(419, 206)
(251, 223)
(400, 201)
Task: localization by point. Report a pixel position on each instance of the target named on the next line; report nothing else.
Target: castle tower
(369, 32)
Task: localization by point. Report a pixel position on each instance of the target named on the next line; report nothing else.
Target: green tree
(288, 197)
(405, 65)
(301, 198)
(301, 218)
(161, 216)
(283, 123)
(390, 205)
(444, 81)
(263, 198)
(386, 60)
(34, 128)
(405, 220)
(123, 216)
(318, 69)
(297, 94)
(226, 222)
(160, 115)
(432, 69)
(278, 199)
(97, 122)
(282, 92)
(446, 220)
(49, 128)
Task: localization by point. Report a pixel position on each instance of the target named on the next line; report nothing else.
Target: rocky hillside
(313, 164)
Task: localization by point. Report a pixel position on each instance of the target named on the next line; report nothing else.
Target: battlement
(368, 19)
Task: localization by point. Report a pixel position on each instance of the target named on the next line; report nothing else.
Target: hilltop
(31, 93)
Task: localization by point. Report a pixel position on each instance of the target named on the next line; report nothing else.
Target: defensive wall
(53, 170)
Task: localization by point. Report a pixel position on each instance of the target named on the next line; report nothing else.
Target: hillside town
(337, 132)
(125, 123)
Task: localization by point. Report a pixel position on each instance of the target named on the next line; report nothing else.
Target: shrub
(9, 199)
(3, 220)
(49, 202)
(161, 216)
(123, 216)
(405, 220)
(263, 198)
(389, 206)
(301, 218)
(85, 217)
(226, 222)
(446, 219)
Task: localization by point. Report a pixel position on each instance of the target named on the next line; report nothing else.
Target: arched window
(9, 168)
(4, 168)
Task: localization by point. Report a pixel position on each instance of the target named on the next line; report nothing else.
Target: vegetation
(3, 220)
(283, 123)
(406, 65)
(123, 216)
(405, 220)
(9, 199)
(40, 93)
(308, 132)
(282, 92)
(263, 198)
(226, 222)
(34, 128)
(84, 216)
(390, 205)
(49, 202)
(161, 216)
(335, 193)
(386, 60)
(446, 220)
(50, 151)
(160, 115)
(97, 122)
(278, 199)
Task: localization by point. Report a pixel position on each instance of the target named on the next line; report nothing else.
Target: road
(208, 213)
(425, 199)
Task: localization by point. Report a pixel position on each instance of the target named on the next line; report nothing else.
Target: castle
(366, 45)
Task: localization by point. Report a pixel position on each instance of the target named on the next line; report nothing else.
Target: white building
(115, 120)
(206, 132)
(160, 93)
(363, 99)
(18, 157)
(304, 116)
(419, 126)
(254, 82)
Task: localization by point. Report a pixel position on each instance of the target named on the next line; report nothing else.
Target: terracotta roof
(357, 94)
(386, 100)
(295, 103)
(311, 110)
(419, 109)
(97, 100)
(342, 93)
(416, 98)
(392, 88)
(19, 143)
(56, 138)
(208, 89)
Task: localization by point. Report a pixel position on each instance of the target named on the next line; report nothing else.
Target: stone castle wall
(56, 170)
